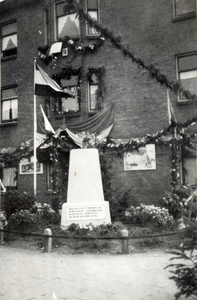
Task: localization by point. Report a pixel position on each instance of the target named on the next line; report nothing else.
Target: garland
(75, 46)
(99, 73)
(175, 86)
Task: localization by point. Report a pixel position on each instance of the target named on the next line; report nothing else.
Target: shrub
(177, 201)
(185, 275)
(150, 215)
(15, 201)
(22, 220)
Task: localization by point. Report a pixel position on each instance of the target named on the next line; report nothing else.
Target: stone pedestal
(85, 199)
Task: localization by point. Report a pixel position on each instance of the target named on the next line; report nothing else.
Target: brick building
(162, 34)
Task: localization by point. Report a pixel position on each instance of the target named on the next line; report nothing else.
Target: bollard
(47, 240)
(1, 235)
(125, 242)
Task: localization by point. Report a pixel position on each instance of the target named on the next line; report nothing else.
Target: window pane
(9, 29)
(93, 102)
(189, 81)
(184, 6)
(59, 9)
(9, 177)
(68, 26)
(70, 104)
(186, 63)
(190, 174)
(9, 93)
(94, 15)
(9, 110)
(92, 4)
(5, 110)
(9, 42)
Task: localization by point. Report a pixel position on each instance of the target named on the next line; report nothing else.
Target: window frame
(178, 71)
(184, 15)
(4, 36)
(8, 121)
(56, 38)
(88, 28)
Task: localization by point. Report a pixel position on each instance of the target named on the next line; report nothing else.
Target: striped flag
(47, 124)
(46, 86)
(171, 114)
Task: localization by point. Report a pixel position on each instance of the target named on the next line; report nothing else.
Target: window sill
(13, 123)
(183, 102)
(185, 16)
(6, 58)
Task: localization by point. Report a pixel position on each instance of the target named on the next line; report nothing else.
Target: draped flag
(96, 128)
(43, 128)
(171, 114)
(46, 86)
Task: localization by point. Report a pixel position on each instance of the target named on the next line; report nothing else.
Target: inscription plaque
(86, 212)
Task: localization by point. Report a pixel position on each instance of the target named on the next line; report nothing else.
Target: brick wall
(147, 27)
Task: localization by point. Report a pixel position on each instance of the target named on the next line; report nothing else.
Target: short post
(125, 241)
(1, 235)
(47, 240)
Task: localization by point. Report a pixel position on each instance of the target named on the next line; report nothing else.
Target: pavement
(34, 275)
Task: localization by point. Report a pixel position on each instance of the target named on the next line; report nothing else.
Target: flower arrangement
(150, 215)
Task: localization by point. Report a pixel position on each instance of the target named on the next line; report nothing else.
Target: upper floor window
(187, 73)
(92, 10)
(69, 104)
(93, 87)
(184, 7)
(9, 39)
(67, 24)
(9, 105)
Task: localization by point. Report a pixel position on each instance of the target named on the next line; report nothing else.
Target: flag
(171, 114)
(47, 124)
(42, 129)
(46, 86)
(56, 48)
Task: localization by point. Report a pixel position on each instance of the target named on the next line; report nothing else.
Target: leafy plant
(185, 275)
(177, 201)
(15, 201)
(150, 215)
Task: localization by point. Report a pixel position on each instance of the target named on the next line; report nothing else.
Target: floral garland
(74, 46)
(154, 72)
(99, 73)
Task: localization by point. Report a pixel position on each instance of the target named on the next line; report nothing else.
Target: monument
(85, 198)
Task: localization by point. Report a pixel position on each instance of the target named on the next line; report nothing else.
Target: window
(70, 104)
(187, 73)
(9, 105)
(93, 87)
(9, 39)
(66, 24)
(9, 177)
(190, 176)
(184, 7)
(92, 9)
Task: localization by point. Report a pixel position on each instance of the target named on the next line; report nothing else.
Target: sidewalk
(30, 275)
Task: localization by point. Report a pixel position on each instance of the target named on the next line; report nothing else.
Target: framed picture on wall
(26, 166)
(141, 159)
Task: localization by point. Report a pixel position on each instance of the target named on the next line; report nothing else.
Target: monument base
(85, 213)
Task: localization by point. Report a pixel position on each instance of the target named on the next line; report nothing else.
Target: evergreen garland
(175, 86)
